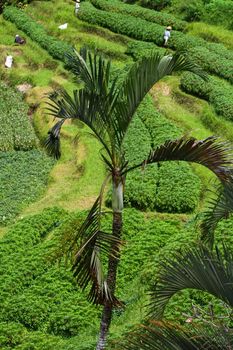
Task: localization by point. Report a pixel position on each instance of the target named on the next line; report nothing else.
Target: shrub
(16, 131)
(219, 12)
(155, 4)
(23, 178)
(134, 10)
(138, 49)
(56, 48)
(218, 93)
(178, 188)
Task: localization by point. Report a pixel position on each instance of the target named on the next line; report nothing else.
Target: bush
(16, 131)
(23, 178)
(155, 4)
(56, 48)
(134, 10)
(178, 188)
(219, 12)
(218, 93)
(138, 49)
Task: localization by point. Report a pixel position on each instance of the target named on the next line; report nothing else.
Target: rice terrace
(116, 174)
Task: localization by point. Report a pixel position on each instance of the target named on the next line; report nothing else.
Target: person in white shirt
(167, 34)
(9, 61)
(77, 6)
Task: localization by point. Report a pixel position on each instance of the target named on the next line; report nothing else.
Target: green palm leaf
(143, 75)
(210, 152)
(87, 266)
(196, 268)
(219, 208)
(167, 336)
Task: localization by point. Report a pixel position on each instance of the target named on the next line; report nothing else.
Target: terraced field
(44, 201)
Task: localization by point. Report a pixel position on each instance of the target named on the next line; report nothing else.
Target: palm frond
(166, 336)
(196, 268)
(210, 152)
(91, 69)
(52, 143)
(141, 78)
(87, 266)
(220, 207)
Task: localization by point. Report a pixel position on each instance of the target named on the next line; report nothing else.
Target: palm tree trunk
(117, 204)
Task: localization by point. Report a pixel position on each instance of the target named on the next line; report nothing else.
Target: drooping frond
(52, 143)
(219, 208)
(166, 336)
(143, 75)
(210, 152)
(87, 266)
(84, 106)
(196, 268)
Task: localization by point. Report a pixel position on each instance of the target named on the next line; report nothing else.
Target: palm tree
(107, 107)
(196, 268)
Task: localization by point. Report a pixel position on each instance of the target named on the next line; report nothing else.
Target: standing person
(77, 6)
(167, 34)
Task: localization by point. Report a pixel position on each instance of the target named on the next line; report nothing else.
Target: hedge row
(146, 31)
(151, 188)
(138, 49)
(56, 48)
(218, 93)
(16, 132)
(178, 188)
(23, 178)
(153, 16)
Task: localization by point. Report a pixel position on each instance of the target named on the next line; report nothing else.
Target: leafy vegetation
(23, 178)
(134, 10)
(219, 93)
(16, 131)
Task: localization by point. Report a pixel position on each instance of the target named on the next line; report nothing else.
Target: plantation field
(44, 201)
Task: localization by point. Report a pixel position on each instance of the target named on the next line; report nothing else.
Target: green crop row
(146, 31)
(138, 49)
(56, 48)
(178, 188)
(218, 93)
(137, 11)
(167, 187)
(16, 132)
(23, 178)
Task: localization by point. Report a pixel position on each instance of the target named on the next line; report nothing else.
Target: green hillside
(44, 201)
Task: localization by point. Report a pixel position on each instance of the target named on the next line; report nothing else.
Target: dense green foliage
(56, 48)
(218, 12)
(42, 307)
(134, 10)
(16, 132)
(138, 49)
(219, 93)
(140, 29)
(167, 187)
(23, 178)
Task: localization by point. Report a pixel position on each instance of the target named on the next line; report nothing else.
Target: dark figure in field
(19, 40)
(167, 35)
